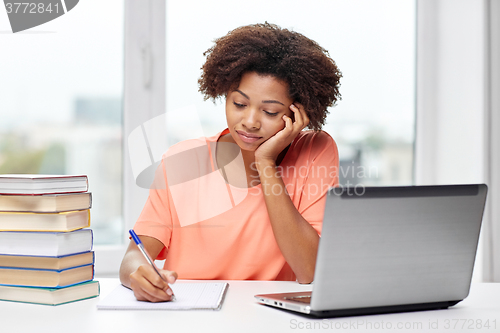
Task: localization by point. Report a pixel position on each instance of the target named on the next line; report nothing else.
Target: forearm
(133, 258)
(137, 274)
(131, 261)
(296, 238)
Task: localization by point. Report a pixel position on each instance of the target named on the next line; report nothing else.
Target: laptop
(392, 249)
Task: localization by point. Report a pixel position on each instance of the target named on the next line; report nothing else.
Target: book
(55, 263)
(66, 221)
(50, 296)
(188, 296)
(50, 244)
(42, 184)
(48, 278)
(50, 203)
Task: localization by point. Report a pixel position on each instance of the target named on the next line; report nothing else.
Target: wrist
(264, 164)
(267, 170)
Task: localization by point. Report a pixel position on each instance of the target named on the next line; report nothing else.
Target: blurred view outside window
(61, 104)
(372, 42)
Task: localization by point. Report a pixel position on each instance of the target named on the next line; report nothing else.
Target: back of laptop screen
(383, 246)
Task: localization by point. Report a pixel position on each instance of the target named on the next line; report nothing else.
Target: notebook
(188, 296)
(392, 249)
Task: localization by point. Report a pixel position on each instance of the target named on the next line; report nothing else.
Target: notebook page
(189, 296)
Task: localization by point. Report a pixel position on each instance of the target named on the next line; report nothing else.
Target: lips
(247, 137)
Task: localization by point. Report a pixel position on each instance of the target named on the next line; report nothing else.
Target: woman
(248, 202)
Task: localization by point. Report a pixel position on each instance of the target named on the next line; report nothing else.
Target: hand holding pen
(148, 282)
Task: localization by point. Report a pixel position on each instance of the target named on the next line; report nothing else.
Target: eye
(238, 105)
(271, 114)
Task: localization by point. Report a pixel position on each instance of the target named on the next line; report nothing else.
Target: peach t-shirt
(213, 230)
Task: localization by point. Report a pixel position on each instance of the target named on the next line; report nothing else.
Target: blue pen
(137, 241)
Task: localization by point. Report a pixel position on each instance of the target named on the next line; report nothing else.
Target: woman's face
(255, 109)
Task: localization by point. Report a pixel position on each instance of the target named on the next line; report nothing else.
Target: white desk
(241, 313)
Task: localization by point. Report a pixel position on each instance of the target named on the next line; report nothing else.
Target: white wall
(453, 143)
(450, 92)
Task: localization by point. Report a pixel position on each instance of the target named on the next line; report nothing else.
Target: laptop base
(383, 309)
(370, 310)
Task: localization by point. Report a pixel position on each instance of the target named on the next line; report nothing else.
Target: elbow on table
(306, 279)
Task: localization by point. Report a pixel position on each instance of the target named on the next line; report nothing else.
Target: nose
(251, 119)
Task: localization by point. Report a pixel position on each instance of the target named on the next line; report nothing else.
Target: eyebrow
(264, 101)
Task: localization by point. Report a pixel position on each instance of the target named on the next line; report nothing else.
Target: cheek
(278, 125)
(229, 115)
(232, 118)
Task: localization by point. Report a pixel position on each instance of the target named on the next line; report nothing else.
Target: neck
(248, 158)
(242, 175)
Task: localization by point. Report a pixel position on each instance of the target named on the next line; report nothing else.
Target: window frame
(444, 155)
(492, 124)
(143, 99)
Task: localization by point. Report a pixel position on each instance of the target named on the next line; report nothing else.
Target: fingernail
(169, 292)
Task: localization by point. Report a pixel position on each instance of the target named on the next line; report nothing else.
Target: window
(61, 104)
(372, 42)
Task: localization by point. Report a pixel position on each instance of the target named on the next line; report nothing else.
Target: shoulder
(190, 145)
(311, 147)
(314, 142)
(316, 136)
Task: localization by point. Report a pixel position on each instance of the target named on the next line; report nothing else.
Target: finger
(288, 124)
(298, 124)
(285, 132)
(305, 117)
(298, 115)
(150, 274)
(140, 295)
(152, 286)
(169, 276)
(301, 114)
(145, 291)
(158, 295)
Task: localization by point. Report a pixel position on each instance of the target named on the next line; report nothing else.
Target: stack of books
(46, 252)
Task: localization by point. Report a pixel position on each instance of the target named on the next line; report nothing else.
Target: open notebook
(189, 296)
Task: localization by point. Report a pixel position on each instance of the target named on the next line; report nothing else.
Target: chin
(246, 147)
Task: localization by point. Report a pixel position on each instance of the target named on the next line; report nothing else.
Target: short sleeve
(155, 219)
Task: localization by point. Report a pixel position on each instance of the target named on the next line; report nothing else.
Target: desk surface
(480, 311)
